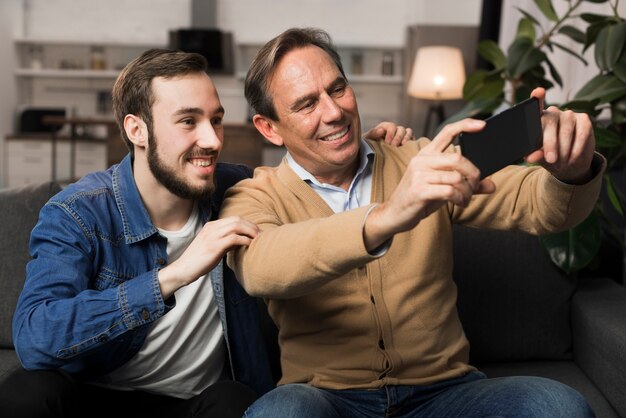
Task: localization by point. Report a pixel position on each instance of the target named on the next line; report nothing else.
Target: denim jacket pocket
(107, 278)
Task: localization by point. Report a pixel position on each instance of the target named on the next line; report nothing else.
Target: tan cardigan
(348, 319)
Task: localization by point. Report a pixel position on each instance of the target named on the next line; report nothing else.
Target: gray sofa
(19, 207)
(522, 315)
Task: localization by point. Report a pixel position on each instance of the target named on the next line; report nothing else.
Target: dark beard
(171, 180)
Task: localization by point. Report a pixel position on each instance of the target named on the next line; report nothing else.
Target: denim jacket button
(145, 315)
(160, 261)
(103, 338)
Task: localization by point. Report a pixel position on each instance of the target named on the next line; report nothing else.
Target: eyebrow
(195, 111)
(298, 103)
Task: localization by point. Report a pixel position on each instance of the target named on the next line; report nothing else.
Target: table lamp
(438, 74)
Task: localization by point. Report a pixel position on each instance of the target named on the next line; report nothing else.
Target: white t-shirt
(184, 352)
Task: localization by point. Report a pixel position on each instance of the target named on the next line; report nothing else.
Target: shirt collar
(366, 156)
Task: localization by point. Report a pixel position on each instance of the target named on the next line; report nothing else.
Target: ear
(136, 130)
(267, 128)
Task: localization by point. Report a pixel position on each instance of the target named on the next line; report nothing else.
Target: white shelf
(380, 79)
(87, 43)
(69, 73)
(358, 78)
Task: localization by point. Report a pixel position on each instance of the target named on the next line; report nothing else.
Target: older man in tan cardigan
(353, 252)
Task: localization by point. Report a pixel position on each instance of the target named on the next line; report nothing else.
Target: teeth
(201, 163)
(335, 136)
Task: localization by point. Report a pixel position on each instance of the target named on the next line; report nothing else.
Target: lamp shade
(438, 73)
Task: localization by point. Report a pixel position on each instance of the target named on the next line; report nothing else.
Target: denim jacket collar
(137, 223)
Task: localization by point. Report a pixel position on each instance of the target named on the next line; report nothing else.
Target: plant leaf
(492, 53)
(571, 52)
(606, 138)
(616, 42)
(574, 249)
(618, 111)
(594, 18)
(604, 87)
(619, 69)
(588, 107)
(609, 45)
(574, 33)
(546, 8)
(612, 193)
(526, 29)
(554, 73)
(523, 56)
(529, 16)
(474, 108)
(592, 33)
(483, 85)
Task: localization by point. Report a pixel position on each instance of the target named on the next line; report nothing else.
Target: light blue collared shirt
(360, 190)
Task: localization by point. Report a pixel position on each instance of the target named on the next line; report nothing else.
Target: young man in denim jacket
(126, 298)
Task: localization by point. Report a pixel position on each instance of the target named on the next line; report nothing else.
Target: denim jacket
(91, 290)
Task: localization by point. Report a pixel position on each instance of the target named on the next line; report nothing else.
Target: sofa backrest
(19, 211)
(514, 303)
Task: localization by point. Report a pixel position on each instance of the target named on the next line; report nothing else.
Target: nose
(331, 111)
(208, 137)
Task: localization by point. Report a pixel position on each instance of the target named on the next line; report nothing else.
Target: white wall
(349, 22)
(140, 21)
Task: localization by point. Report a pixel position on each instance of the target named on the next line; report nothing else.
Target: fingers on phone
(447, 134)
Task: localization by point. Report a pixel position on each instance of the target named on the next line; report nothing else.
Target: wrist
(375, 235)
(168, 282)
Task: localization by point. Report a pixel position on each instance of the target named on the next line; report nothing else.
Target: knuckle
(455, 157)
(447, 130)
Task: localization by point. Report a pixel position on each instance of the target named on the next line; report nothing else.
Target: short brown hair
(132, 91)
(269, 56)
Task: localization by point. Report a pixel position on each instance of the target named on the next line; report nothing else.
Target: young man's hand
(390, 133)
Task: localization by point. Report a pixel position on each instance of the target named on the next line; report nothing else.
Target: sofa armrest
(599, 337)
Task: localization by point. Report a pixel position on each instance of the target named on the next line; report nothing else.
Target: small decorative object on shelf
(387, 63)
(36, 57)
(97, 61)
(356, 63)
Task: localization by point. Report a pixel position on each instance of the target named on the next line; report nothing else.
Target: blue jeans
(472, 395)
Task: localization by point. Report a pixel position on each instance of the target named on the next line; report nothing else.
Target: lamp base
(437, 110)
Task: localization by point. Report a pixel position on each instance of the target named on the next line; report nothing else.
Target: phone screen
(506, 138)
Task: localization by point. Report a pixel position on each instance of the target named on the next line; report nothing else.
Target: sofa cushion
(563, 371)
(514, 303)
(19, 211)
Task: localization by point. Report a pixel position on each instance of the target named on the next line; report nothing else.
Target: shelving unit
(362, 64)
(93, 57)
(70, 73)
(63, 73)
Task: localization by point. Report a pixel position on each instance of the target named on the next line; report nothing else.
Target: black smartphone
(506, 138)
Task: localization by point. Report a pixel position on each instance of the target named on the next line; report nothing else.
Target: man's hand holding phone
(568, 143)
(560, 141)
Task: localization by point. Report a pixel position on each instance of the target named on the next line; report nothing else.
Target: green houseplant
(527, 64)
